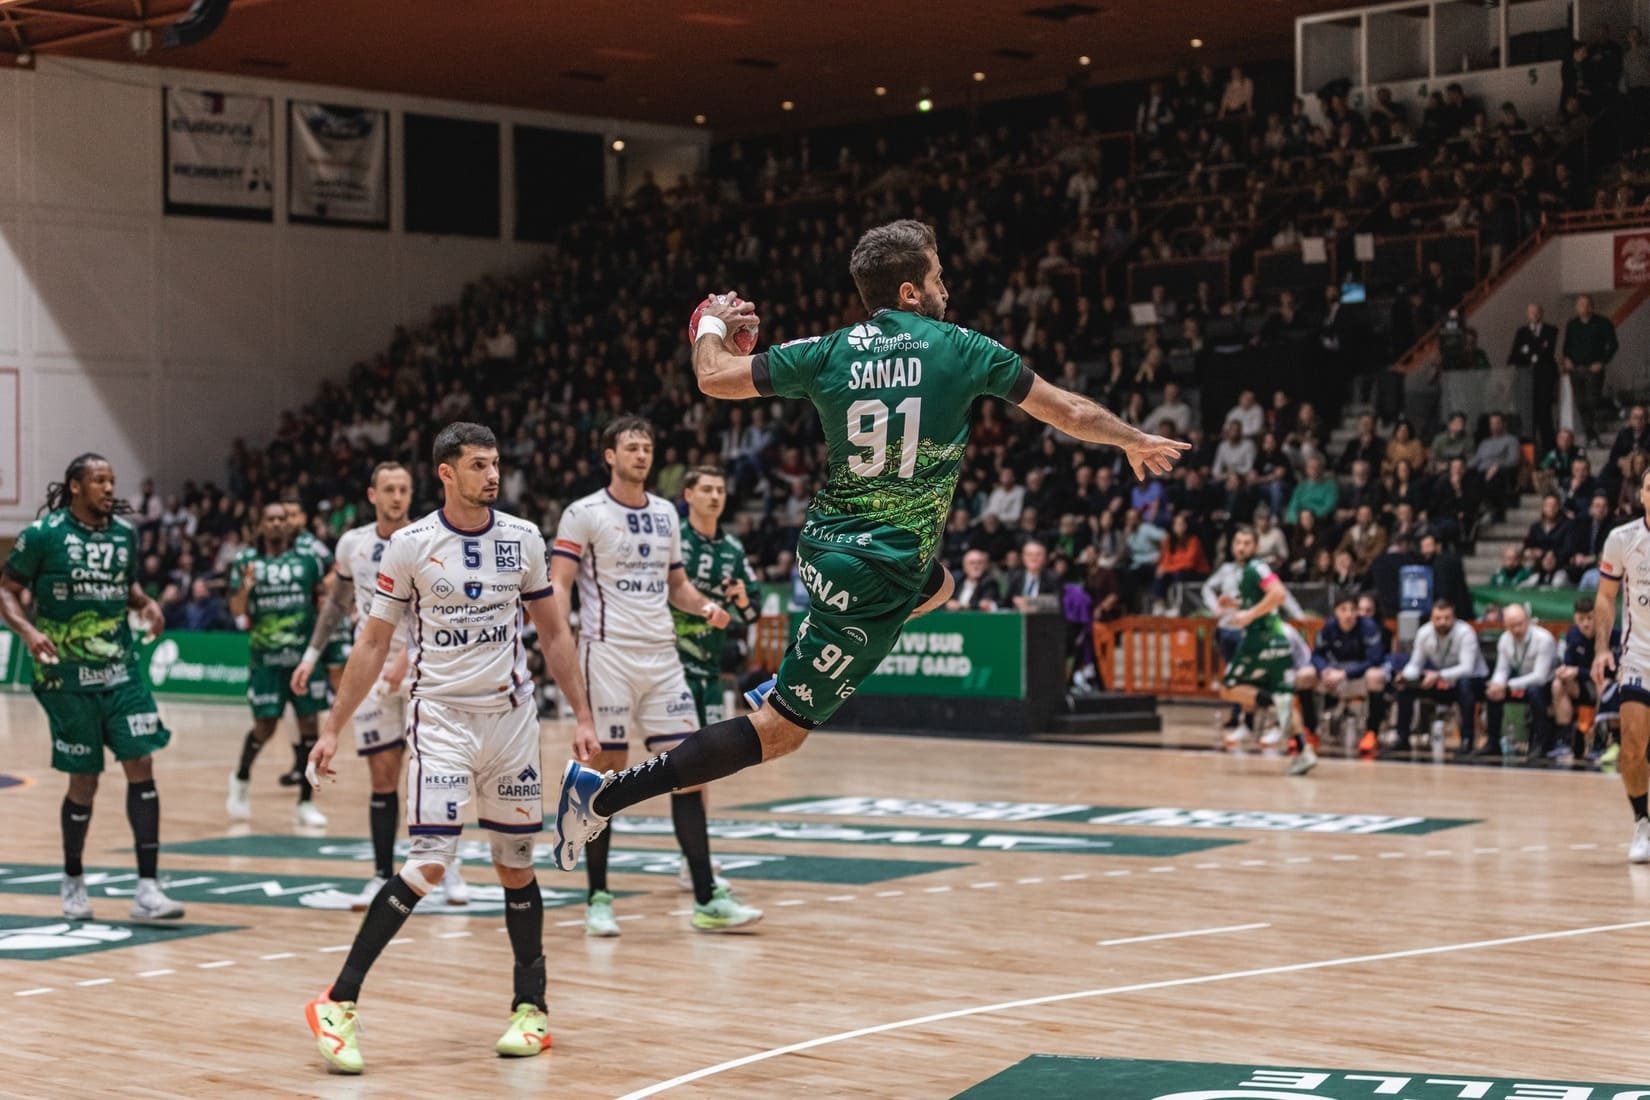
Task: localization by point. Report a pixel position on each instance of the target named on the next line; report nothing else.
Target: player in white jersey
(467, 574)
(380, 723)
(1624, 567)
(624, 547)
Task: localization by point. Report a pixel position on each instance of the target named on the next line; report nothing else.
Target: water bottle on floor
(1437, 740)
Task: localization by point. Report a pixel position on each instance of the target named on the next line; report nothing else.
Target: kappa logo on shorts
(802, 692)
(857, 635)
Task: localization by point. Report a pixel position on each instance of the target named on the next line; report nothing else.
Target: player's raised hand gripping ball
(733, 311)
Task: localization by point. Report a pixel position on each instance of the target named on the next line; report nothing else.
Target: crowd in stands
(1063, 244)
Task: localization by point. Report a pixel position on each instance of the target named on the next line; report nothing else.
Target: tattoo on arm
(333, 611)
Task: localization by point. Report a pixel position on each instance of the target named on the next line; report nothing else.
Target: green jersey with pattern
(307, 543)
(1256, 578)
(282, 605)
(81, 578)
(894, 394)
(710, 563)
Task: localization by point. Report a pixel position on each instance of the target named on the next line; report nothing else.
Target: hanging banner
(339, 164)
(219, 154)
(1632, 254)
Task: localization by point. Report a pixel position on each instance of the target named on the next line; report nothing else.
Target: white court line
(95, 981)
(330, 950)
(1299, 859)
(927, 890)
(1159, 870)
(897, 893)
(1118, 873)
(215, 965)
(456, 935)
(403, 939)
(1074, 877)
(156, 973)
(568, 923)
(279, 955)
(1113, 991)
(842, 897)
(1029, 881)
(791, 901)
(1183, 935)
(983, 885)
(32, 992)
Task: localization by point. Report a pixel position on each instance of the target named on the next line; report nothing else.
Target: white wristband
(710, 609)
(311, 655)
(712, 326)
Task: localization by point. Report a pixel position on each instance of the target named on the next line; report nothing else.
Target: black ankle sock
(389, 910)
(249, 753)
(1641, 806)
(524, 918)
(300, 756)
(75, 820)
(715, 752)
(305, 791)
(382, 813)
(1234, 717)
(143, 812)
(687, 812)
(1263, 700)
(1309, 709)
(1377, 711)
(595, 861)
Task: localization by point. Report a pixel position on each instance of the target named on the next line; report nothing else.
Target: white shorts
(380, 722)
(1634, 677)
(1299, 651)
(460, 756)
(638, 694)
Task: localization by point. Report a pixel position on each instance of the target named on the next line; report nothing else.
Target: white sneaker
(368, 892)
(148, 903)
(1639, 852)
(1272, 738)
(1236, 736)
(239, 803)
(1304, 761)
(76, 905)
(599, 920)
(455, 891)
(684, 877)
(306, 815)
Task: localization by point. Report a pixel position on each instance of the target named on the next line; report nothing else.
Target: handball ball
(744, 339)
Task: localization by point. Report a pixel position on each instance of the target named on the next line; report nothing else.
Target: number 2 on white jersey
(876, 436)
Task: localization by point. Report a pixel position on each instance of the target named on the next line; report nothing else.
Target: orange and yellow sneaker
(527, 1035)
(334, 1025)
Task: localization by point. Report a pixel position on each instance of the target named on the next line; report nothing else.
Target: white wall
(157, 340)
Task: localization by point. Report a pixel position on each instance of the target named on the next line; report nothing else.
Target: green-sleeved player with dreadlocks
(275, 585)
(336, 652)
(715, 563)
(76, 561)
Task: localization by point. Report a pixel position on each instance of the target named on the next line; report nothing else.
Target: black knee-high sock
(383, 813)
(143, 812)
(1641, 806)
(389, 910)
(75, 819)
(1377, 710)
(249, 752)
(1309, 709)
(687, 812)
(524, 919)
(300, 755)
(305, 791)
(595, 861)
(715, 752)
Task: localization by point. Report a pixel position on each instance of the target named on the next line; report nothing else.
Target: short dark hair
(1584, 605)
(690, 480)
(451, 440)
(1346, 597)
(1441, 604)
(888, 257)
(625, 425)
(381, 468)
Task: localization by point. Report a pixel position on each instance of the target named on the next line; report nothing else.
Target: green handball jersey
(80, 577)
(710, 564)
(1263, 658)
(282, 606)
(894, 394)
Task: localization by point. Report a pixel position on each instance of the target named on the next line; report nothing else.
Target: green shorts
(82, 723)
(708, 698)
(1263, 660)
(336, 653)
(269, 690)
(845, 635)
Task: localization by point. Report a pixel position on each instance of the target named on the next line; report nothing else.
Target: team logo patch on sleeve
(385, 584)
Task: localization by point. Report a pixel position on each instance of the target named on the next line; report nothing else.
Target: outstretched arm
(1076, 415)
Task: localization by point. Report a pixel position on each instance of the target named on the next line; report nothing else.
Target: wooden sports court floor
(939, 913)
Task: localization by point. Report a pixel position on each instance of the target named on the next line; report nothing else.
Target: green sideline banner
(1549, 605)
(181, 664)
(968, 654)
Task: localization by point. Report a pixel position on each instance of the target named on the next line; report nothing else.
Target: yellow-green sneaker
(527, 1035)
(334, 1024)
(598, 916)
(724, 913)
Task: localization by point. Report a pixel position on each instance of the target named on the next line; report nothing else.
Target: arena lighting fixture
(787, 106)
(618, 145)
(925, 104)
(1084, 60)
(698, 120)
(978, 77)
(880, 90)
(1197, 43)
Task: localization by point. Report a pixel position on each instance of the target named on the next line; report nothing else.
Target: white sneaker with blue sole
(577, 822)
(757, 695)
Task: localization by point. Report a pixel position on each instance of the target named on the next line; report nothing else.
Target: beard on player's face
(932, 306)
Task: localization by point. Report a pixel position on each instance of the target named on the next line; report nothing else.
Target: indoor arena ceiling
(672, 60)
